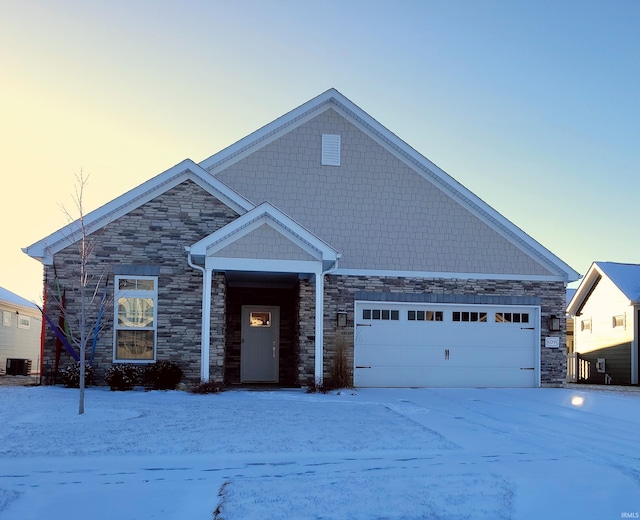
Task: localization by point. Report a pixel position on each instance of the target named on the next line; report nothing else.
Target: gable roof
(332, 99)
(626, 278)
(44, 249)
(251, 223)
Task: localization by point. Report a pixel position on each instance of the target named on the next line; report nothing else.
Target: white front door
(259, 352)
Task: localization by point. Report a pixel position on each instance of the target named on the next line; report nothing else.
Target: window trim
(619, 321)
(24, 322)
(134, 293)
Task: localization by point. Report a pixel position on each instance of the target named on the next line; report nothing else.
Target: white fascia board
(44, 249)
(594, 273)
(449, 275)
(216, 263)
(269, 132)
(268, 214)
(29, 309)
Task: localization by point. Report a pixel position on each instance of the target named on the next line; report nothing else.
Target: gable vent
(330, 150)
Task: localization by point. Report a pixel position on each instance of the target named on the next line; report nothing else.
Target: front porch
(262, 300)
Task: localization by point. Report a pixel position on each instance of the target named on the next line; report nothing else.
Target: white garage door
(444, 345)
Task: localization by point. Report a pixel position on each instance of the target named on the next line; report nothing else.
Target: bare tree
(87, 323)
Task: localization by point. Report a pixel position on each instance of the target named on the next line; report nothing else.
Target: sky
(533, 106)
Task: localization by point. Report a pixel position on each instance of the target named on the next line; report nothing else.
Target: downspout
(319, 337)
(206, 317)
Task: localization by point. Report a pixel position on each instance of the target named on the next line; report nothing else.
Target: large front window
(135, 318)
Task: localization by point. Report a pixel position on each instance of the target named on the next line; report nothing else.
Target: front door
(259, 352)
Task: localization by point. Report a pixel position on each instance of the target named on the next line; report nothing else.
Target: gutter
(205, 338)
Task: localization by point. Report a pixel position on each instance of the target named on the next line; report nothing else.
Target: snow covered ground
(397, 454)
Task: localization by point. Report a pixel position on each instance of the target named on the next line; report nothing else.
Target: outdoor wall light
(554, 323)
(342, 319)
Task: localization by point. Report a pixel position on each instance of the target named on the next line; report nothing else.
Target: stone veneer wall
(218, 331)
(151, 236)
(306, 332)
(340, 296)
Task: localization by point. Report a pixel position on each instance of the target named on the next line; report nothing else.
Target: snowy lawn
(397, 454)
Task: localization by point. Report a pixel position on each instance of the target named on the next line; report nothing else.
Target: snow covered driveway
(375, 453)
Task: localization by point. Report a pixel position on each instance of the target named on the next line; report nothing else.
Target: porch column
(319, 353)
(206, 325)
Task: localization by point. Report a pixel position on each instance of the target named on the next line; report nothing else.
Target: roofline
(334, 99)
(45, 248)
(584, 290)
(447, 275)
(297, 233)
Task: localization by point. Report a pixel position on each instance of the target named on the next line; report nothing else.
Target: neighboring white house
(20, 334)
(606, 311)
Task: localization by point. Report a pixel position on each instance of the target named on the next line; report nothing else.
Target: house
(606, 311)
(20, 335)
(320, 237)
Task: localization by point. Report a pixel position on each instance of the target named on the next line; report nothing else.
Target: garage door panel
(469, 357)
(451, 378)
(392, 355)
(499, 348)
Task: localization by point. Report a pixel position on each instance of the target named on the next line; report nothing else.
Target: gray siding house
(321, 232)
(20, 335)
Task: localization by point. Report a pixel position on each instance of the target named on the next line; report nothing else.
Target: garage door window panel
(425, 315)
(381, 314)
(512, 317)
(469, 316)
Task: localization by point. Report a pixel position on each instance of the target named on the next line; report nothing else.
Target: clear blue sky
(532, 105)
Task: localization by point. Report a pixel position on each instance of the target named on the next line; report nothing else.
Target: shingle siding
(264, 243)
(374, 209)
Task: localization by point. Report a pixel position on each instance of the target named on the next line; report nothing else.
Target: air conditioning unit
(18, 367)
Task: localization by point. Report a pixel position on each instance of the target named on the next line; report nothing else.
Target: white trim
(217, 263)
(134, 293)
(448, 275)
(267, 134)
(268, 214)
(319, 332)
(206, 326)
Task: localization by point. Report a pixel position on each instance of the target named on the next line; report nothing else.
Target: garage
(404, 344)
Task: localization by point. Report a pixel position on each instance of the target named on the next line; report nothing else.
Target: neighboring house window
(330, 150)
(470, 316)
(585, 325)
(24, 322)
(512, 317)
(6, 318)
(424, 315)
(135, 318)
(380, 314)
(618, 321)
